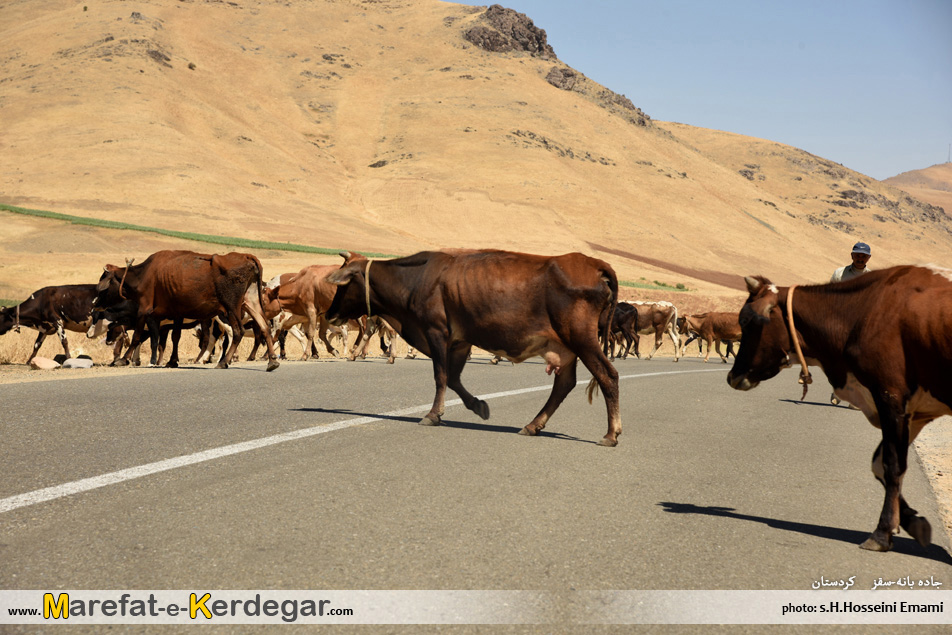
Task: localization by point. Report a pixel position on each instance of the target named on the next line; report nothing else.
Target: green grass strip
(204, 238)
(653, 287)
(233, 242)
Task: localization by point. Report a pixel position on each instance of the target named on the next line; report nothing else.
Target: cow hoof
(120, 362)
(429, 421)
(172, 365)
(920, 529)
(390, 360)
(481, 408)
(608, 443)
(273, 364)
(874, 544)
(529, 432)
(222, 365)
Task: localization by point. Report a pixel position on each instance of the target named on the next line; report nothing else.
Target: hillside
(931, 185)
(385, 126)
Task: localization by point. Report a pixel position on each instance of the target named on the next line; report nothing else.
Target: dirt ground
(933, 447)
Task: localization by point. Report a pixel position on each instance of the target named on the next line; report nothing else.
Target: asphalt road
(708, 488)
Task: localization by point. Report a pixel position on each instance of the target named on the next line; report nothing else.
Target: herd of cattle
(884, 340)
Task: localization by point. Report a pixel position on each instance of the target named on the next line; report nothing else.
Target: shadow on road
(797, 402)
(461, 425)
(901, 544)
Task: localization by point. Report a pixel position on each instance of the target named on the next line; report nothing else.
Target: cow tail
(608, 275)
(592, 389)
(258, 275)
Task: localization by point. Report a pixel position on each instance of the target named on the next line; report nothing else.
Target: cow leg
(709, 342)
(360, 345)
(176, 336)
(456, 362)
(117, 347)
(909, 519)
(675, 340)
(36, 346)
(565, 380)
(889, 467)
(657, 343)
(717, 349)
(155, 333)
(61, 333)
(438, 353)
(605, 377)
(234, 324)
(322, 335)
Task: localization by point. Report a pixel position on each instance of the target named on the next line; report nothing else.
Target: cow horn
(129, 261)
(753, 285)
(346, 255)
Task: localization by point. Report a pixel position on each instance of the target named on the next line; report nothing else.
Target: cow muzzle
(740, 381)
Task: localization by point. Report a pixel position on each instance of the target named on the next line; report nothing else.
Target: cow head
(349, 301)
(765, 343)
(108, 288)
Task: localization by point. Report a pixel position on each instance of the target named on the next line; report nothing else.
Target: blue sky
(867, 84)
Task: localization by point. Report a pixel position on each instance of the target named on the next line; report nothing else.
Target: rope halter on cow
(367, 285)
(129, 262)
(805, 378)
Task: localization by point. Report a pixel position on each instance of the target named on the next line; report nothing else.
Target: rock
(511, 31)
(78, 362)
(43, 363)
(563, 78)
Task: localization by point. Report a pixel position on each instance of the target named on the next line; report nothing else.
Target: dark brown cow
(510, 304)
(884, 340)
(714, 327)
(180, 285)
(52, 310)
(624, 330)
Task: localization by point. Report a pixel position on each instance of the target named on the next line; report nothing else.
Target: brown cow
(714, 327)
(180, 285)
(510, 304)
(884, 340)
(657, 318)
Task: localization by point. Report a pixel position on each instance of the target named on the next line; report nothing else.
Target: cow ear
(340, 277)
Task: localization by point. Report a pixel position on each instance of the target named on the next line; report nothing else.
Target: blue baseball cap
(861, 248)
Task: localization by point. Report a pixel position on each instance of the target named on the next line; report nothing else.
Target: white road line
(84, 485)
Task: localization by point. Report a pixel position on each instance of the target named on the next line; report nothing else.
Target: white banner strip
(475, 607)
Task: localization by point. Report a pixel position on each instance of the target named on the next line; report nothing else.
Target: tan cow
(307, 294)
(658, 318)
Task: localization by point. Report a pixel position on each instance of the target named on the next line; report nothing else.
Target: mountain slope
(931, 185)
(383, 126)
